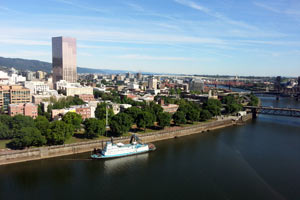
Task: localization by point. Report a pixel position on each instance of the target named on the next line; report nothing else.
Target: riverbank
(68, 149)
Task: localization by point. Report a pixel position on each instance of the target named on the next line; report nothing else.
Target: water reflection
(123, 163)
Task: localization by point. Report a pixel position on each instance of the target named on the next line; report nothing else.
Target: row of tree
(25, 131)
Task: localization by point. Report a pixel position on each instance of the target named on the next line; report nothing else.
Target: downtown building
(13, 94)
(27, 109)
(64, 61)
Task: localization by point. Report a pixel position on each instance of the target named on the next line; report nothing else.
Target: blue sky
(236, 37)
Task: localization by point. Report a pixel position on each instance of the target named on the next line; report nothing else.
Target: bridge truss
(289, 112)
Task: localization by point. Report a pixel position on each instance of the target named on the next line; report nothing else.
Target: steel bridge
(290, 112)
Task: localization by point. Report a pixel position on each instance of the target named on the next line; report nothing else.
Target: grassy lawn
(3, 143)
(78, 139)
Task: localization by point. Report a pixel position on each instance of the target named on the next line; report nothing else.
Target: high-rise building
(40, 75)
(64, 59)
(299, 81)
(139, 76)
(152, 83)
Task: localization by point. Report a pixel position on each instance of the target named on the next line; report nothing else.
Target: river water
(260, 160)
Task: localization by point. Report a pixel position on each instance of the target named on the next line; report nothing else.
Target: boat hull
(100, 156)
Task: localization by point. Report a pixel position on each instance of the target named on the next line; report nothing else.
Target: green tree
(100, 111)
(153, 108)
(59, 132)
(184, 107)
(120, 124)
(6, 120)
(133, 112)
(232, 105)
(74, 119)
(145, 119)
(205, 115)
(233, 108)
(213, 106)
(26, 137)
(94, 127)
(179, 118)
(40, 111)
(42, 124)
(164, 119)
(172, 91)
(193, 115)
(5, 132)
(253, 100)
(21, 121)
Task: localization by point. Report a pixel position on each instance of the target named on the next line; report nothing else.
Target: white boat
(112, 150)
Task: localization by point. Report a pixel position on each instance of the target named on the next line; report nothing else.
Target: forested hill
(35, 65)
(23, 64)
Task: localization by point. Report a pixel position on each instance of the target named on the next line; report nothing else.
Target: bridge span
(290, 112)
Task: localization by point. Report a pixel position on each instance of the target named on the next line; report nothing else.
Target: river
(260, 160)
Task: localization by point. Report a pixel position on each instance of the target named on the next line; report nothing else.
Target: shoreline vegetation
(19, 132)
(37, 153)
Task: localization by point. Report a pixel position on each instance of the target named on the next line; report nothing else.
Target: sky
(215, 37)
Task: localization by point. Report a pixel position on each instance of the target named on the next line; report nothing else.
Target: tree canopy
(120, 124)
(73, 118)
(179, 118)
(42, 124)
(94, 127)
(145, 119)
(213, 106)
(26, 137)
(133, 112)
(59, 132)
(100, 111)
(164, 119)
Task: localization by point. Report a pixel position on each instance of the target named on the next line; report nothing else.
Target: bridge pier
(277, 97)
(254, 113)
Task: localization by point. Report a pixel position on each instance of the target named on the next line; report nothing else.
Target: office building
(64, 59)
(13, 94)
(40, 75)
(152, 83)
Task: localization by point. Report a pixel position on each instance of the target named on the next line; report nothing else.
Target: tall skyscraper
(64, 62)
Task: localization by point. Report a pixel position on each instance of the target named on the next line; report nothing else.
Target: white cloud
(81, 6)
(26, 54)
(214, 14)
(267, 7)
(146, 57)
(280, 9)
(132, 36)
(136, 7)
(24, 42)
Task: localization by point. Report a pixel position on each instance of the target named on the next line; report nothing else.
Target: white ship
(112, 150)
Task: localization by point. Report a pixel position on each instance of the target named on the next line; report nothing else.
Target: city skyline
(178, 36)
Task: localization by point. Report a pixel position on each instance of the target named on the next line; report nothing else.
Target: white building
(37, 87)
(72, 89)
(152, 83)
(133, 86)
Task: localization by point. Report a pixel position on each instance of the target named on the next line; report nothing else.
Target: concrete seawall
(68, 149)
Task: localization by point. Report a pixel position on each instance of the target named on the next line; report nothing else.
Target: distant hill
(35, 65)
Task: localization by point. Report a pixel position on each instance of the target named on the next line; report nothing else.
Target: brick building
(27, 109)
(86, 97)
(84, 111)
